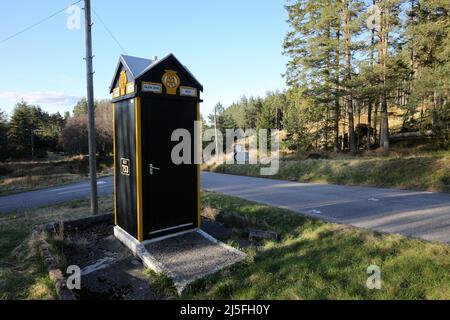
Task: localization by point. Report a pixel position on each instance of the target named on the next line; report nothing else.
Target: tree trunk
(375, 122)
(369, 111)
(344, 127)
(369, 122)
(337, 107)
(337, 110)
(382, 55)
(348, 70)
(384, 138)
(328, 85)
(327, 120)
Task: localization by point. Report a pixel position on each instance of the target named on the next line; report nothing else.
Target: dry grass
(22, 273)
(23, 176)
(26, 183)
(42, 290)
(210, 213)
(428, 171)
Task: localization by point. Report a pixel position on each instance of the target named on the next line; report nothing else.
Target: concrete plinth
(183, 257)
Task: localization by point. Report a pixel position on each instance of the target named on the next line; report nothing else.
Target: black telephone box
(153, 195)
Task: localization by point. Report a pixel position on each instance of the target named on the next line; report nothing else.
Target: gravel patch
(192, 256)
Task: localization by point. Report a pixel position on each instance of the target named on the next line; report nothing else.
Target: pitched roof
(135, 65)
(139, 66)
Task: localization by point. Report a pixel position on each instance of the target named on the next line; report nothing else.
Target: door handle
(152, 169)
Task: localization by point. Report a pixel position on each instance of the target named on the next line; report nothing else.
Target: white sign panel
(151, 87)
(116, 93)
(188, 91)
(130, 88)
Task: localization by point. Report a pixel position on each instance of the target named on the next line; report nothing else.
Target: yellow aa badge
(171, 81)
(123, 83)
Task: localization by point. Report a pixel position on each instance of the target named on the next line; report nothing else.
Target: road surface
(412, 213)
(53, 195)
(419, 214)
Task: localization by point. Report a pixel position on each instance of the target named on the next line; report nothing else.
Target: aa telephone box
(154, 196)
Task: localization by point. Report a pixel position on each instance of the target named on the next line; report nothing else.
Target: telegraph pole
(32, 143)
(215, 136)
(90, 104)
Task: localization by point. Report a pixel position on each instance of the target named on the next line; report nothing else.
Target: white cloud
(8, 95)
(48, 100)
(50, 97)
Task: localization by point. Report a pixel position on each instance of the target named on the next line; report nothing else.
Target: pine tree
(25, 120)
(314, 46)
(3, 135)
(276, 102)
(221, 119)
(252, 112)
(389, 20)
(348, 75)
(295, 123)
(428, 31)
(80, 108)
(267, 118)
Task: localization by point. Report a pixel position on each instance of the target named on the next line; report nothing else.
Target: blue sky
(233, 47)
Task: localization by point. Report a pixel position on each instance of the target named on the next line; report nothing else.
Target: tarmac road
(419, 214)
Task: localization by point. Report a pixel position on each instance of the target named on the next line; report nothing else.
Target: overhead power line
(109, 31)
(38, 23)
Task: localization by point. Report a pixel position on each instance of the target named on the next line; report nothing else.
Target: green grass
(161, 284)
(319, 260)
(421, 172)
(313, 260)
(22, 272)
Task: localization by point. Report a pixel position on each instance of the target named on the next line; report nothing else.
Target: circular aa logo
(171, 81)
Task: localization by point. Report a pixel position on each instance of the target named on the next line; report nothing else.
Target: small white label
(130, 88)
(125, 166)
(188, 91)
(151, 87)
(116, 93)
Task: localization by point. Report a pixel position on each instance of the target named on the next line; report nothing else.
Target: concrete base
(138, 250)
(127, 239)
(184, 257)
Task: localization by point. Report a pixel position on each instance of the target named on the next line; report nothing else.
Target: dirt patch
(122, 280)
(108, 269)
(216, 229)
(83, 248)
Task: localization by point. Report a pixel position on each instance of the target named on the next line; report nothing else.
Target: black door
(125, 169)
(169, 191)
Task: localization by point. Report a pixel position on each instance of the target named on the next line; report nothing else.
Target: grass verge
(320, 260)
(161, 284)
(22, 272)
(21, 176)
(313, 259)
(429, 172)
